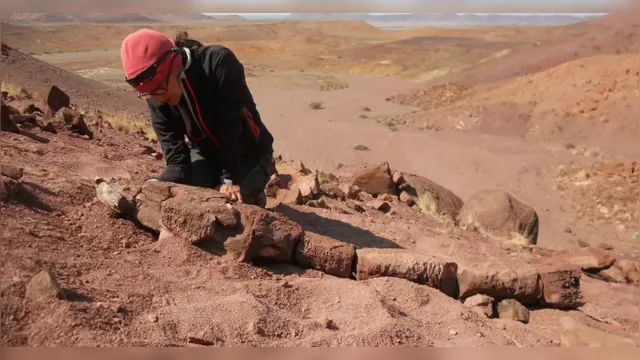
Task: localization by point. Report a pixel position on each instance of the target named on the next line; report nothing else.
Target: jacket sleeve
(171, 138)
(228, 75)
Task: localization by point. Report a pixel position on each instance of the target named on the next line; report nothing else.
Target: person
(202, 112)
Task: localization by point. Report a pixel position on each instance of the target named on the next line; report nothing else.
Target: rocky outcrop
(245, 233)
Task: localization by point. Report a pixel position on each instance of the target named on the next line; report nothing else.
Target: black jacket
(217, 114)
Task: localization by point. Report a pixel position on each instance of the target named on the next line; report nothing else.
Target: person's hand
(232, 191)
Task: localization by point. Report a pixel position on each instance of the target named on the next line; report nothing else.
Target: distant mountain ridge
(115, 17)
(451, 18)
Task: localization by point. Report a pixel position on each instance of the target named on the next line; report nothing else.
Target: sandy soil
(125, 287)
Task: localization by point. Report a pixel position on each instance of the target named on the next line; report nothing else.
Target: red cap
(141, 49)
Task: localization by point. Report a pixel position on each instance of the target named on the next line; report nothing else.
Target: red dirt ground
(124, 287)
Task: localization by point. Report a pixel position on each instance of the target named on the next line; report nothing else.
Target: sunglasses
(147, 76)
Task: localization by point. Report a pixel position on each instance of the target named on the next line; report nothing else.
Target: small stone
(481, 304)
(453, 332)
(43, 286)
(355, 206)
(379, 205)
(512, 310)
(593, 153)
(364, 197)
(582, 243)
(329, 324)
(398, 178)
(319, 204)
(152, 318)
(254, 328)
(289, 196)
(562, 172)
(613, 274)
(406, 198)
(605, 246)
(11, 172)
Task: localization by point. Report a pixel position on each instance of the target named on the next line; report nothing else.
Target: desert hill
(36, 40)
(448, 19)
(105, 18)
(22, 70)
(615, 33)
(593, 98)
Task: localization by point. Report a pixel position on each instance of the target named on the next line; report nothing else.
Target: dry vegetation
(11, 89)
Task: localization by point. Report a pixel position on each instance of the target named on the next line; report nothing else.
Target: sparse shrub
(129, 125)
(363, 116)
(393, 123)
(328, 83)
(361, 147)
(316, 105)
(11, 89)
(366, 108)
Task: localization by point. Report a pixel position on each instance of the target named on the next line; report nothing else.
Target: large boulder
(499, 215)
(422, 269)
(375, 180)
(430, 197)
